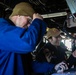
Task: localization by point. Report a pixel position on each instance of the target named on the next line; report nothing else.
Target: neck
(55, 44)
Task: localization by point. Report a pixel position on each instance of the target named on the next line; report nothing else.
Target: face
(23, 21)
(56, 40)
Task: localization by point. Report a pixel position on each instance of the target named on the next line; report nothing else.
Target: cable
(41, 2)
(6, 6)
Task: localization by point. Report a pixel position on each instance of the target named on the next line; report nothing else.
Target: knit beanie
(23, 9)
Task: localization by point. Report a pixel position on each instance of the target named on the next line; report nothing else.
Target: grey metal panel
(72, 5)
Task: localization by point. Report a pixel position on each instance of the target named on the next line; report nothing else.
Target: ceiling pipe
(54, 15)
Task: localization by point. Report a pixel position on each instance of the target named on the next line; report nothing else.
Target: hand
(74, 54)
(61, 67)
(36, 15)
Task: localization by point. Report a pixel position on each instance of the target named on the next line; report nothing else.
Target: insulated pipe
(54, 15)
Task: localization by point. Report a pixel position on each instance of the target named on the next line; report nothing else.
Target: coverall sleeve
(21, 40)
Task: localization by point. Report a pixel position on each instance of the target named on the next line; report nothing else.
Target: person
(54, 40)
(73, 42)
(72, 58)
(51, 54)
(19, 36)
(68, 65)
(41, 63)
(71, 61)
